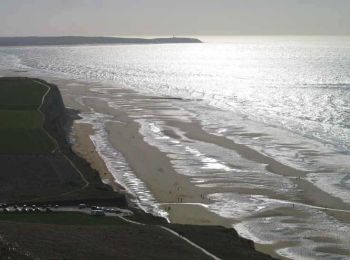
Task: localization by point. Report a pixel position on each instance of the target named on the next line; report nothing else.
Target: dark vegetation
(117, 241)
(61, 218)
(35, 166)
(25, 178)
(20, 94)
(24, 141)
(20, 121)
(32, 173)
(222, 242)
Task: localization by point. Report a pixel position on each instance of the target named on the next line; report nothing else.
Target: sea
(286, 97)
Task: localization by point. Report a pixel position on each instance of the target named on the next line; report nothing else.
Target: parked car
(82, 206)
(98, 213)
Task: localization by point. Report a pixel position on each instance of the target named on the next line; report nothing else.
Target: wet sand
(312, 195)
(184, 201)
(85, 148)
(154, 168)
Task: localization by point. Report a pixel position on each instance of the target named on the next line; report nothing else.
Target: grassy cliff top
(21, 121)
(20, 94)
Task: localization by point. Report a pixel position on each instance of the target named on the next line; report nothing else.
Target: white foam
(336, 184)
(256, 94)
(299, 229)
(118, 166)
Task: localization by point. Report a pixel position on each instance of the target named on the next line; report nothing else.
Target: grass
(124, 241)
(25, 141)
(29, 169)
(20, 94)
(21, 123)
(150, 239)
(222, 242)
(24, 119)
(62, 218)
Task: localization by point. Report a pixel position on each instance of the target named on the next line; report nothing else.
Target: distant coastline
(80, 40)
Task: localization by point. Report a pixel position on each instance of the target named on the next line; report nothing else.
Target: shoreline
(121, 135)
(125, 136)
(181, 213)
(139, 228)
(85, 148)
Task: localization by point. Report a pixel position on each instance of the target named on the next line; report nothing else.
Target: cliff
(50, 179)
(57, 121)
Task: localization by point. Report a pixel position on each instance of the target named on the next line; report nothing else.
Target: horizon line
(171, 35)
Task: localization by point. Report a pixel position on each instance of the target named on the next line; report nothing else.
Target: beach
(175, 130)
(183, 202)
(73, 177)
(250, 158)
(176, 195)
(85, 148)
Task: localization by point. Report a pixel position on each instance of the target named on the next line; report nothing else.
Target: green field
(18, 119)
(24, 141)
(61, 218)
(21, 123)
(20, 94)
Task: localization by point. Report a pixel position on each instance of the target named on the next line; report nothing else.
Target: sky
(176, 17)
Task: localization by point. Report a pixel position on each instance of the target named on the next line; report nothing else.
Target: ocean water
(286, 97)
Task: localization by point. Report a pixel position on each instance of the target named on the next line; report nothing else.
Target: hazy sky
(179, 17)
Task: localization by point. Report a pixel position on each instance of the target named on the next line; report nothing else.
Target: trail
(123, 214)
(57, 148)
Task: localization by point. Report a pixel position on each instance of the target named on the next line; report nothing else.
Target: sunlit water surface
(287, 97)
